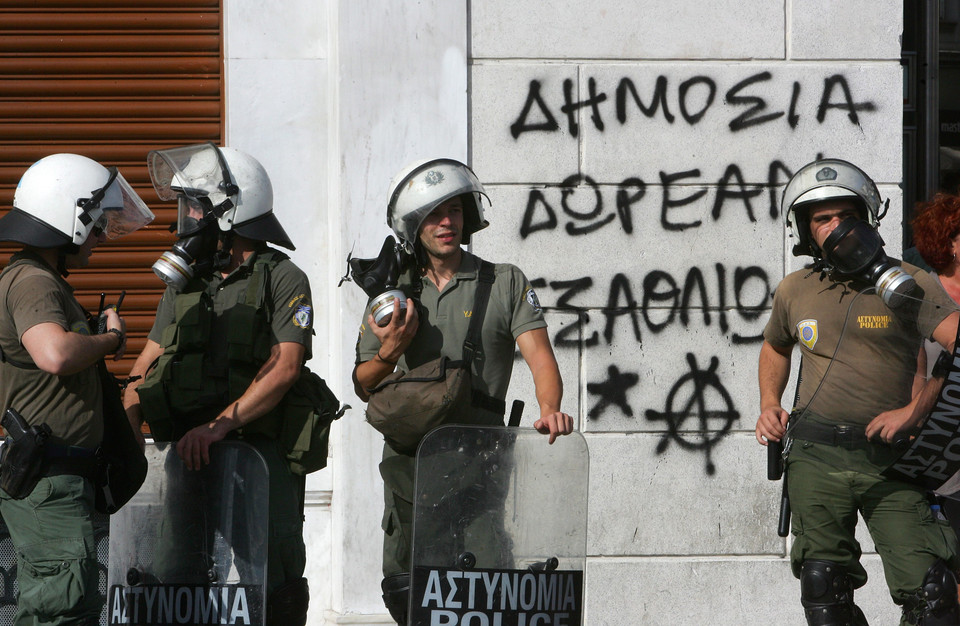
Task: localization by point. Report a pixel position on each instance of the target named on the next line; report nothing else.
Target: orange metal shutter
(111, 80)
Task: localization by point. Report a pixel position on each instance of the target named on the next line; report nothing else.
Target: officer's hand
(771, 425)
(114, 321)
(194, 447)
(886, 426)
(399, 332)
(554, 424)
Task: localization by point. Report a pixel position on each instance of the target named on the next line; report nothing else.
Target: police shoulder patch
(533, 300)
(807, 331)
(303, 316)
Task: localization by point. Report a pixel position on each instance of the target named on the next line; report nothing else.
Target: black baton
(783, 524)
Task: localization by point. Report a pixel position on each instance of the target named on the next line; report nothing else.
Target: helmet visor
(194, 171)
(121, 210)
(190, 214)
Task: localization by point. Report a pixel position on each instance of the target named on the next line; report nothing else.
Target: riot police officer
(231, 337)
(838, 448)
(64, 206)
(434, 207)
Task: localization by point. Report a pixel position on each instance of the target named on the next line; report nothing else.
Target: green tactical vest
(174, 400)
(176, 394)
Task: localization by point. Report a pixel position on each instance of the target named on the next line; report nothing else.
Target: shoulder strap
(258, 287)
(472, 345)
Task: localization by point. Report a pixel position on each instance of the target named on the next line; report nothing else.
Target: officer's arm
(131, 399)
(538, 353)
(890, 425)
(946, 332)
(271, 383)
(773, 372)
(60, 352)
(394, 340)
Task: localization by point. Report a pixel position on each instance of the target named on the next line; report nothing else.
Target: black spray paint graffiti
(665, 301)
(688, 398)
(694, 98)
(612, 391)
(637, 307)
(698, 394)
(581, 199)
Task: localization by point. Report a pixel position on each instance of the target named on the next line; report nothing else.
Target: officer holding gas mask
(839, 443)
(232, 333)
(422, 299)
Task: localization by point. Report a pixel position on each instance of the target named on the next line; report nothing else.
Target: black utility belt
(60, 460)
(840, 435)
(488, 403)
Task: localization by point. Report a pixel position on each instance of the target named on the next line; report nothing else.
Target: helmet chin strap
(62, 253)
(221, 258)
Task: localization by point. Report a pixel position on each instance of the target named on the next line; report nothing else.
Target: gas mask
(855, 249)
(197, 251)
(379, 276)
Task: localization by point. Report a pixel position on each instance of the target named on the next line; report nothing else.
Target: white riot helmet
(224, 184)
(826, 179)
(422, 186)
(61, 198)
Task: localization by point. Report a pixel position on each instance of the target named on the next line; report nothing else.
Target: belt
(489, 403)
(841, 435)
(59, 451)
(73, 460)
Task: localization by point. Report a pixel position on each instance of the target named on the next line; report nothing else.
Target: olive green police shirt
(513, 309)
(292, 307)
(33, 293)
(876, 363)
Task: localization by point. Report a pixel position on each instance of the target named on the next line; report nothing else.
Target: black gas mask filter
(855, 249)
(379, 277)
(196, 253)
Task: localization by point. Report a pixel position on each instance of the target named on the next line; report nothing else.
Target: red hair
(936, 225)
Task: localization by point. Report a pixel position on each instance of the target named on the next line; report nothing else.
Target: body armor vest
(187, 387)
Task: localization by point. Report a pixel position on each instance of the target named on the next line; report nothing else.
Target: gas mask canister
(195, 252)
(379, 276)
(855, 249)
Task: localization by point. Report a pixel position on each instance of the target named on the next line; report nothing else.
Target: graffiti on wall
(625, 306)
(694, 97)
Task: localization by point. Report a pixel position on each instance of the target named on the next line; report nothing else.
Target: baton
(774, 460)
(515, 413)
(783, 524)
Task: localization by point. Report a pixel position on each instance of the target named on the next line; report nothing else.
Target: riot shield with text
(191, 546)
(499, 530)
(877, 363)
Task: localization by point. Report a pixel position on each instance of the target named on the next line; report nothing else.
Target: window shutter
(111, 80)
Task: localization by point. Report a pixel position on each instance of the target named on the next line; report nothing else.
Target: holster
(22, 461)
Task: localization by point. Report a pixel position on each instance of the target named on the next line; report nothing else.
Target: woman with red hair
(936, 235)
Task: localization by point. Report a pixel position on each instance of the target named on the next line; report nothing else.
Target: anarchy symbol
(698, 381)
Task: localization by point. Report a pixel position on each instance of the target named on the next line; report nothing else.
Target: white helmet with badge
(61, 198)
(422, 186)
(819, 181)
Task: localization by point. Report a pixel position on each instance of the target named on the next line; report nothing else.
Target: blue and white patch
(433, 177)
(533, 300)
(807, 330)
(303, 316)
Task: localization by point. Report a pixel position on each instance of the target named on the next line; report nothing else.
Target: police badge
(532, 300)
(303, 316)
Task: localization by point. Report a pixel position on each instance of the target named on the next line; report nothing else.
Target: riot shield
(858, 377)
(191, 546)
(499, 529)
